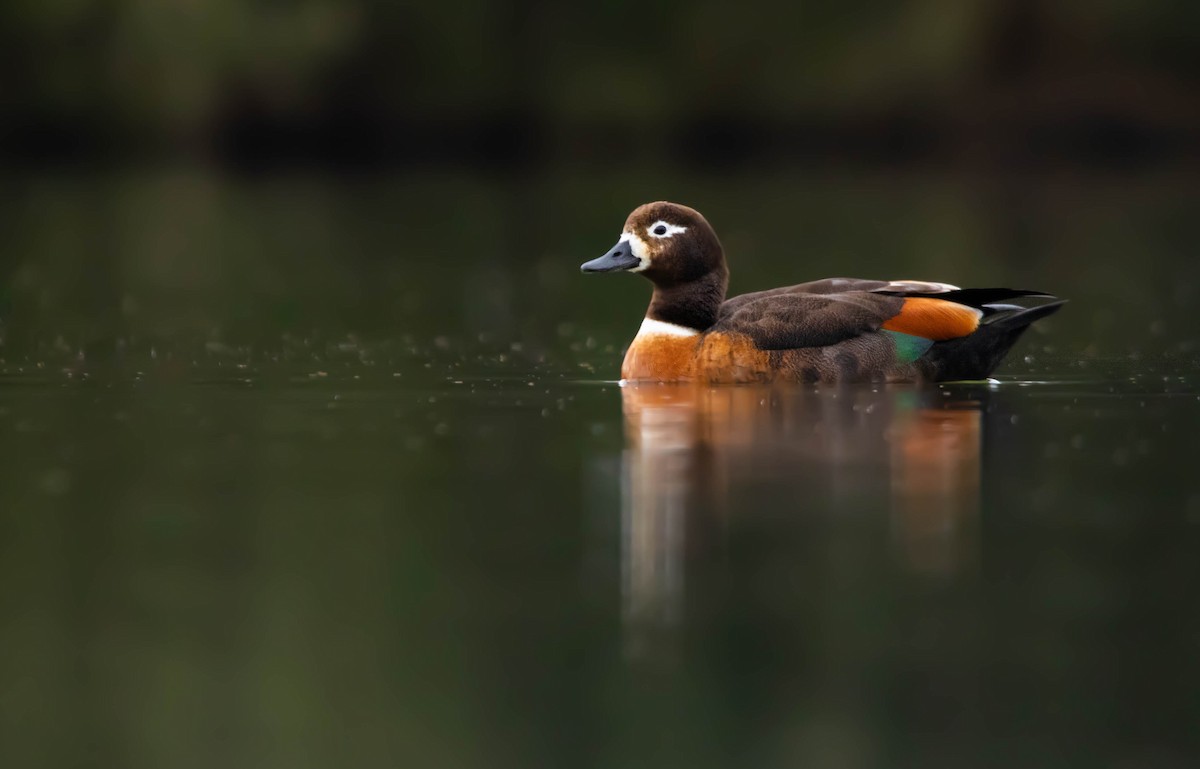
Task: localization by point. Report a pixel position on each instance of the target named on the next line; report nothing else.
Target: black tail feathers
(1006, 315)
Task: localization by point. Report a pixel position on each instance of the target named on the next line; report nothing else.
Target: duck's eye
(661, 229)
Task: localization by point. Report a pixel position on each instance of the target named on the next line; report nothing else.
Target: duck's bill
(619, 258)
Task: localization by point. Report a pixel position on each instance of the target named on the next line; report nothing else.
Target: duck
(828, 331)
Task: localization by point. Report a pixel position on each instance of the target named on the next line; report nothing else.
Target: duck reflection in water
(701, 462)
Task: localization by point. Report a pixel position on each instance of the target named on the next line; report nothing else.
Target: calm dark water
(333, 502)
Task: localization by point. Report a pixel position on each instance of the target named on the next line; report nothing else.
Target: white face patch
(651, 327)
(663, 229)
(638, 248)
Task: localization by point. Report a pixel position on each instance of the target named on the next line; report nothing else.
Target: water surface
(516, 572)
(273, 494)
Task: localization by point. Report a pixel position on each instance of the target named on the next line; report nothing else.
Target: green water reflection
(581, 574)
(317, 474)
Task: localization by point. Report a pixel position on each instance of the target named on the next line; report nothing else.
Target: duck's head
(668, 243)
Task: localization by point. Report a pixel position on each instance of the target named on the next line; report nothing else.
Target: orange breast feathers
(935, 319)
(660, 358)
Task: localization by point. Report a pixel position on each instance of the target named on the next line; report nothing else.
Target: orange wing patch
(935, 319)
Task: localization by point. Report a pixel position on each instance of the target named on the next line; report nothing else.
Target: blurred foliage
(186, 73)
(154, 68)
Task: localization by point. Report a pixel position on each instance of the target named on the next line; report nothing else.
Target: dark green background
(311, 452)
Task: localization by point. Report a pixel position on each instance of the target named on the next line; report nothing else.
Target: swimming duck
(831, 330)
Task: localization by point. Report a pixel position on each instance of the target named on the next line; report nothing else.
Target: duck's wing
(826, 286)
(784, 320)
(841, 286)
(788, 320)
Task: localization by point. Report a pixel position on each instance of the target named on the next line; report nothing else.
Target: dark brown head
(668, 243)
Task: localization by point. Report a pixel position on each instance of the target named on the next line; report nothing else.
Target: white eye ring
(662, 229)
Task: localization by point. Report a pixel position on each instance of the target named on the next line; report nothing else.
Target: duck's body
(833, 330)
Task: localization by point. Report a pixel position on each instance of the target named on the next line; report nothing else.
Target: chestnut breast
(664, 352)
(661, 352)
